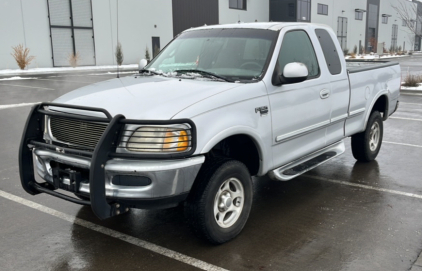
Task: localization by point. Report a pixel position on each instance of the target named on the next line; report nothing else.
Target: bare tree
(408, 12)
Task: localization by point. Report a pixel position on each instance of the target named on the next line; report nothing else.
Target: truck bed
(355, 66)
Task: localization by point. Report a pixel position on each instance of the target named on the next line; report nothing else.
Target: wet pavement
(344, 215)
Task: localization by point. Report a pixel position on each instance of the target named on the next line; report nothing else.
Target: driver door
(300, 111)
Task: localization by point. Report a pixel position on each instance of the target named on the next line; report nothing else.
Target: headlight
(175, 138)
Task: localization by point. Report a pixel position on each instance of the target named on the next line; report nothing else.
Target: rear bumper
(167, 177)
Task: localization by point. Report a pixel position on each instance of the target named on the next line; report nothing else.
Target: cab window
(297, 47)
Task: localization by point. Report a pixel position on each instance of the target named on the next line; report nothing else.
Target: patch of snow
(67, 69)
(412, 88)
(17, 78)
(374, 57)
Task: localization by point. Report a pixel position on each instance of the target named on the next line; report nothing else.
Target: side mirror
(142, 64)
(294, 72)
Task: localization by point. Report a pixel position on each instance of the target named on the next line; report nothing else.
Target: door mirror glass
(142, 64)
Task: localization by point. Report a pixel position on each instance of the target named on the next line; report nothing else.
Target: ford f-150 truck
(217, 105)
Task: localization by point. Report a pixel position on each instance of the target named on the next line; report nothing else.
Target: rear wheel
(220, 201)
(366, 145)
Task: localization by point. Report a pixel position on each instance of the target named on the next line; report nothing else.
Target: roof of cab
(276, 26)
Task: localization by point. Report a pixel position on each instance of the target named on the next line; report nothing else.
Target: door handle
(324, 94)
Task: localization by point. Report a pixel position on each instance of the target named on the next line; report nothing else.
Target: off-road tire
(199, 207)
(361, 143)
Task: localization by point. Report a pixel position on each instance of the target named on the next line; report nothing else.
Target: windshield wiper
(205, 74)
(150, 71)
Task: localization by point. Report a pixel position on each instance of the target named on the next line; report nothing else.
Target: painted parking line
(115, 234)
(397, 118)
(6, 106)
(411, 103)
(403, 144)
(364, 186)
(25, 86)
(410, 94)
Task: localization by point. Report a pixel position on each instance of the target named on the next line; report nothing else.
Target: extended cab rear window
(330, 52)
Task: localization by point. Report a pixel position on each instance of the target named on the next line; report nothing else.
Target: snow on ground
(375, 57)
(419, 88)
(67, 69)
(17, 78)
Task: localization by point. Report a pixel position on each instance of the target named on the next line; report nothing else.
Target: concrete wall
(139, 21)
(355, 28)
(25, 24)
(385, 30)
(258, 10)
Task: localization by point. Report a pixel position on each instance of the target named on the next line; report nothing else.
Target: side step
(306, 163)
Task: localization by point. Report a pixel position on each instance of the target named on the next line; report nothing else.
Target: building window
(394, 35)
(237, 4)
(385, 20)
(322, 9)
(359, 15)
(403, 23)
(71, 32)
(342, 32)
(304, 10)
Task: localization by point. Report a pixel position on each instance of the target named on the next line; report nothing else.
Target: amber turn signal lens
(176, 141)
(183, 143)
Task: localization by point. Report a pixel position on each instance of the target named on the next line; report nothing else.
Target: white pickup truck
(218, 105)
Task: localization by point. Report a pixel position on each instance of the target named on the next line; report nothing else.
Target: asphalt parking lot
(343, 215)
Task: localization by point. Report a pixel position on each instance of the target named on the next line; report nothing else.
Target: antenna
(117, 2)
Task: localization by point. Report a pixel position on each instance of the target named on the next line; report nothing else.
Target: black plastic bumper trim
(58, 195)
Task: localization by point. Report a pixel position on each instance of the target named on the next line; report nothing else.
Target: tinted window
(330, 51)
(297, 47)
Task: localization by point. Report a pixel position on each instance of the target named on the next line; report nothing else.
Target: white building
(55, 29)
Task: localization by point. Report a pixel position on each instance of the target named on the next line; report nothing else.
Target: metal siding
(193, 13)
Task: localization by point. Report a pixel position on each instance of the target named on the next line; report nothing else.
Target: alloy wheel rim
(229, 202)
(374, 136)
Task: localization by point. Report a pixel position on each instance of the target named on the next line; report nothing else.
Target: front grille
(80, 134)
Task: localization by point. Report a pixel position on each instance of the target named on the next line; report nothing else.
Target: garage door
(71, 29)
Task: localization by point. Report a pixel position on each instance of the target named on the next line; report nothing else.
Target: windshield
(232, 54)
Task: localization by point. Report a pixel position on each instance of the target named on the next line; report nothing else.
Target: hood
(145, 97)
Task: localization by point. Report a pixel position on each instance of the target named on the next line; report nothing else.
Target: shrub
(21, 55)
(355, 50)
(147, 55)
(345, 52)
(74, 59)
(119, 54)
(352, 55)
(412, 80)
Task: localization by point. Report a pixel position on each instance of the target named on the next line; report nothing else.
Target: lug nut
(117, 205)
(117, 212)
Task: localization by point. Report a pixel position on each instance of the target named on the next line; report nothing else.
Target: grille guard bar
(104, 150)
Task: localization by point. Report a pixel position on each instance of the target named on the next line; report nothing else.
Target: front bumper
(92, 173)
(167, 177)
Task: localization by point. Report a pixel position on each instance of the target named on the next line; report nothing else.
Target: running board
(306, 163)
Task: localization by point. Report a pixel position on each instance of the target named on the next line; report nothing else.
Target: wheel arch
(241, 144)
(381, 104)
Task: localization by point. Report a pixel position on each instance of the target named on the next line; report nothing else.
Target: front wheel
(366, 145)
(220, 201)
